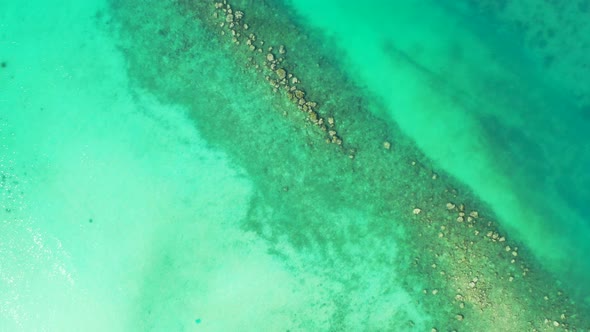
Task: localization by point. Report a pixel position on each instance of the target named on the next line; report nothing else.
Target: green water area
(287, 166)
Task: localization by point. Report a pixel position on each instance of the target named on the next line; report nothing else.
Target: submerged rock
(281, 73)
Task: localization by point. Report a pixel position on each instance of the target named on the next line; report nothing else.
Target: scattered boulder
(313, 116)
(299, 94)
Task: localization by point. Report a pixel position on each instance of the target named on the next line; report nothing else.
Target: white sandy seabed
(116, 215)
(127, 220)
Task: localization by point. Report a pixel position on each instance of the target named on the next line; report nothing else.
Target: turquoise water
(482, 106)
(153, 181)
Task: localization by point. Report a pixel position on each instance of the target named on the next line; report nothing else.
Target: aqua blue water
(152, 181)
(472, 93)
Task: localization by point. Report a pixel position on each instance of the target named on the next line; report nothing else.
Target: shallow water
(153, 181)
